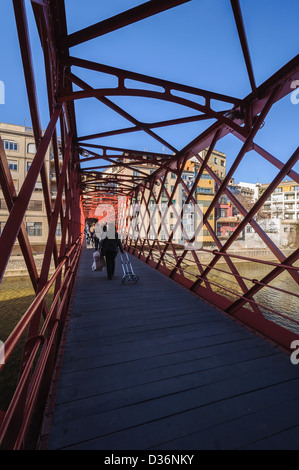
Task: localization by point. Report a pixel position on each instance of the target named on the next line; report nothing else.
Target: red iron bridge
(180, 359)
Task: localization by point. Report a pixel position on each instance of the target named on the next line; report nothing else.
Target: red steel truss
(88, 188)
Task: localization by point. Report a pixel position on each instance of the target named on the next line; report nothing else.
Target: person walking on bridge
(97, 235)
(109, 246)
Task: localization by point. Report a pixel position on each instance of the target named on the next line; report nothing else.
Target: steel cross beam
(243, 40)
(10, 194)
(122, 75)
(119, 21)
(16, 216)
(119, 110)
(152, 125)
(125, 150)
(229, 262)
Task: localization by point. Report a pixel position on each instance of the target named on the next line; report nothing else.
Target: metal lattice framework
(87, 187)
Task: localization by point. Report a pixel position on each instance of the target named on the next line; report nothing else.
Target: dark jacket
(110, 244)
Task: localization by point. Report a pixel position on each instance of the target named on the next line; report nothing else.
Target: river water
(16, 294)
(268, 298)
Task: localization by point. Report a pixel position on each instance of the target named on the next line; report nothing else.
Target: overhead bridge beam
(119, 21)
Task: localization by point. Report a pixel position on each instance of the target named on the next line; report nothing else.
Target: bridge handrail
(17, 418)
(263, 318)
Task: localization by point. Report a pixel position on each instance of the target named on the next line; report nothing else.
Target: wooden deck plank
(187, 423)
(119, 397)
(260, 426)
(103, 381)
(152, 366)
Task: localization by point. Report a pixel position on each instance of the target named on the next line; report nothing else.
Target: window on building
(31, 148)
(173, 175)
(13, 165)
(34, 229)
(58, 230)
(2, 224)
(206, 176)
(204, 190)
(38, 186)
(222, 212)
(10, 145)
(3, 204)
(204, 203)
(35, 206)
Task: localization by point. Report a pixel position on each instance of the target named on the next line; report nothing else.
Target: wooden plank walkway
(150, 366)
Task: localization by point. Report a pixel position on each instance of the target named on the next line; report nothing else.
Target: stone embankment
(17, 266)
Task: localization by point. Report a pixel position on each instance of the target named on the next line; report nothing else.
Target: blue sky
(195, 44)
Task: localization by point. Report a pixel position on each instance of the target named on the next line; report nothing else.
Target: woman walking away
(109, 248)
(86, 233)
(97, 235)
(91, 233)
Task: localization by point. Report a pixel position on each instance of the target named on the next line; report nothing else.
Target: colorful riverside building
(283, 202)
(203, 195)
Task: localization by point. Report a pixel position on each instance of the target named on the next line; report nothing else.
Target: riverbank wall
(17, 267)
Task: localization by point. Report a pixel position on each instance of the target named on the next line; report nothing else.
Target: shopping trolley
(129, 274)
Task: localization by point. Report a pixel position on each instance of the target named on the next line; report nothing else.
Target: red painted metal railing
(39, 354)
(86, 189)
